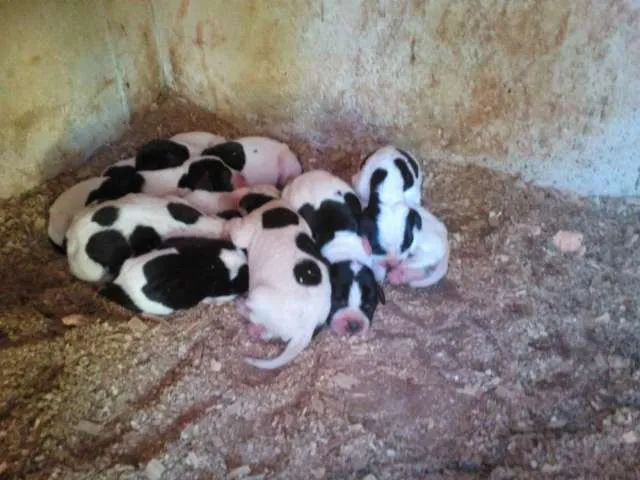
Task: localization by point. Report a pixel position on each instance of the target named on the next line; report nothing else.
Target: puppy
(390, 227)
(428, 260)
(403, 179)
(122, 178)
(101, 237)
(289, 290)
(179, 274)
(333, 212)
(261, 160)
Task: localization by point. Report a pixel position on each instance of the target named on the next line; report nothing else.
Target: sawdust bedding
(524, 363)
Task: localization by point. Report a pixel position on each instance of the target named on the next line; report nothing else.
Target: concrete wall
(542, 87)
(71, 74)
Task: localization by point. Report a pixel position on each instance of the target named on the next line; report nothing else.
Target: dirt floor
(524, 363)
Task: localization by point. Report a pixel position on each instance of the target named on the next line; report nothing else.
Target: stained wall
(71, 75)
(543, 88)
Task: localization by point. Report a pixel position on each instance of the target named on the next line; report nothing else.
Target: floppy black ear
(413, 222)
(380, 292)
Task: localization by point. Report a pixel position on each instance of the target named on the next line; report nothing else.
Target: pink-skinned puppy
(260, 160)
(333, 212)
(404, 177)
(289, 294)
(428, 259)
(101, 237)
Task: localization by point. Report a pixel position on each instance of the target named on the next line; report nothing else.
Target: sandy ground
(524, 363)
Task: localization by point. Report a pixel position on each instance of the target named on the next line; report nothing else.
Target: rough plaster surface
(544, 88)
(71, 74)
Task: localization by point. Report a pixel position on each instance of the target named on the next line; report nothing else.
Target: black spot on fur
(183, 213)
(159, 154)
(413, 222)
(407, 178)
(305, 243)
(308, 273)
(229, 214)
(279, 217)
(412, 162)
(330, 217)
(117, 171)
(369, 221)
(106, 216)
(208, 174)
(252, 201)
(116, 294)
(182, 280)
(144, 239)
(352, 201)
(110, 249)
(231, 153)
(126, 180)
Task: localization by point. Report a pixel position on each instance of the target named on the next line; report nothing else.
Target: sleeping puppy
(197, 173)
(160, 153)
(101, 237)
(289, 289)
(391, 228)
(178, 274)
(428, 260)
(238, 203)
(260, 160)
(403, 179)
(333, 212)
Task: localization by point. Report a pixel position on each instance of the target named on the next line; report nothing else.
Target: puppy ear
(381, 296)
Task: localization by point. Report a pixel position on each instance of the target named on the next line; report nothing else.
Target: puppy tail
(293, 349)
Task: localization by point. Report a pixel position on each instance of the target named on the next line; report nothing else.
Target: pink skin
(257, 332)
(238, 180)
(366, 245)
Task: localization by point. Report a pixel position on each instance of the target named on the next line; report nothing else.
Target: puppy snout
(238, 180)
(392, 262)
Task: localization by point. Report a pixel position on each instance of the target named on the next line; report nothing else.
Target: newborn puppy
(179, 274)
(403, 180)
(391, 228)
(428, 260)
(355, 294)
(289, 290)
(261, 160)
(241, 201)
(101, 237)
(333, 212)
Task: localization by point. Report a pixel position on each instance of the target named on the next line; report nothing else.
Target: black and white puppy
(178, 274)
(391, 227)
(101, 237)
(289, 289)
(403, 180)
(333, 212)
(198, 173)
(154, 169)
(261, 160)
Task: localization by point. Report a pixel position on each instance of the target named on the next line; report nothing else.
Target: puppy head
(354, 297)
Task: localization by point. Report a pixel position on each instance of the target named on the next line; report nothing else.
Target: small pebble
(137, 325)
(215, 366)
(566, 241)
(240, 472)
(154, 470)
(370, 477)
(630, 437)
(88, 427)
(74, 320)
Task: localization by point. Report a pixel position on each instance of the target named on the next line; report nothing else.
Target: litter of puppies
(198, 218)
